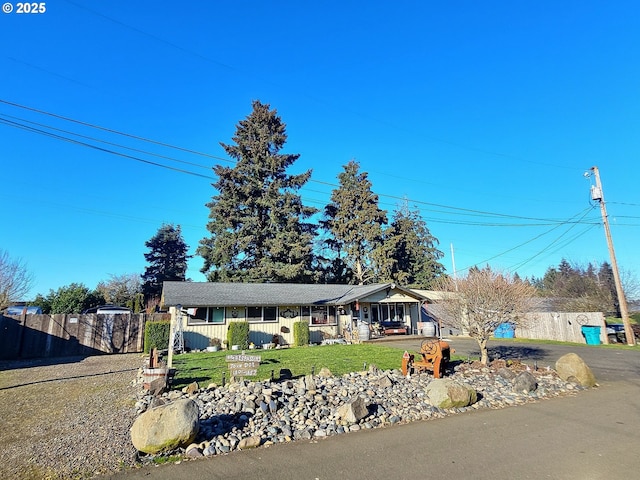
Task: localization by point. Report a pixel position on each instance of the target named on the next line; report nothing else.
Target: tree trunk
(484, 353)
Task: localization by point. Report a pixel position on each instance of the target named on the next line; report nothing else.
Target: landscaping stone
(572, 368)
(524, 382)
(191, 388)
(167, 427)
(447, 393)
(263, 413)
(352, 412)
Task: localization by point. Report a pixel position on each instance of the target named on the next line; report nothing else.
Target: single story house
(207, 308)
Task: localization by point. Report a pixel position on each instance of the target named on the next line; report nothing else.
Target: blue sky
(485, 115)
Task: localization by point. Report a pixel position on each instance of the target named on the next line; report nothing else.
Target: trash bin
(499, 332)
(505, 330)
(591, 334)
(509, 330)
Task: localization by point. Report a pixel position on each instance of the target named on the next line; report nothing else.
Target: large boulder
(166, 427)
(571, 368)
(446, 393)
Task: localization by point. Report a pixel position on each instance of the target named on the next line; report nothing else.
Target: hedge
(301, 334)
(156, 335)
(238, 334)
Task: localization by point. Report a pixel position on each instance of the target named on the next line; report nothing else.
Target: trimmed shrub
(156, 335)
(301, 334)
(238, 334)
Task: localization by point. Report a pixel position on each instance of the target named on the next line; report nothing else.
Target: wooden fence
(29, 336)
(564, 327)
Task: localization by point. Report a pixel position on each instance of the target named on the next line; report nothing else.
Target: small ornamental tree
(481, 301)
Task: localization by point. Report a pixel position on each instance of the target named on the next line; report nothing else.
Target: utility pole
(598, 194)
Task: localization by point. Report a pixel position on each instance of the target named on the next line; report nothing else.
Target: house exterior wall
(198, 334)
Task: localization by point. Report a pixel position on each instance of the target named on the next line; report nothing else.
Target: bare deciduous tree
(15, 280)
(481, 301)
(123, 290)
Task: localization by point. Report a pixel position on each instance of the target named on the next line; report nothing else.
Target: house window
(385, 312)
(262, 314)
(319, 314)
(202, 315)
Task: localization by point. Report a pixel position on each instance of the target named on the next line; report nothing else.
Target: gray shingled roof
(200, 294)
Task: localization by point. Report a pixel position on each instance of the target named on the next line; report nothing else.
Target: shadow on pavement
(519, 352)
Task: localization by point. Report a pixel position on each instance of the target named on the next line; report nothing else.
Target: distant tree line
(578, 288)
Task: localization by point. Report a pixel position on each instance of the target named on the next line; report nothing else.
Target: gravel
(67, 418)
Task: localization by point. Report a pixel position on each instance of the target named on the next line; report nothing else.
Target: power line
(568, 222)
(450, 209)
(98, 140)
(136, 137)
(95, 147)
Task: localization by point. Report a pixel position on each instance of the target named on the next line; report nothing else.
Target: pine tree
(355, 223)
(608, 287)
(413, 249)
(258, 224)
(167, 258)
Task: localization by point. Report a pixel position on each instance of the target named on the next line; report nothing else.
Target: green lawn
(208, 367)
(633, 318)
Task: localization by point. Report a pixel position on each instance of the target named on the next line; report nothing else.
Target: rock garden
(203, 421)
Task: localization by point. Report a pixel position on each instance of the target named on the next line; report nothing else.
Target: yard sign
(243, 365)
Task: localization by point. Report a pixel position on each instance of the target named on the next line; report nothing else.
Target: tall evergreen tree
(258, 224)
(608, 286)
(167, 258)
(413, 249)
(355, 224)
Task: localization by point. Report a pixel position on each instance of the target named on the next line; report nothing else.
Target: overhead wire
(7, 120)
(566, 243)
(165, 157)
(572, 224)
(449, 208)
(95, 147)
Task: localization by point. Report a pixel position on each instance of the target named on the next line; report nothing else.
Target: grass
(208, 367)
(633, 319)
